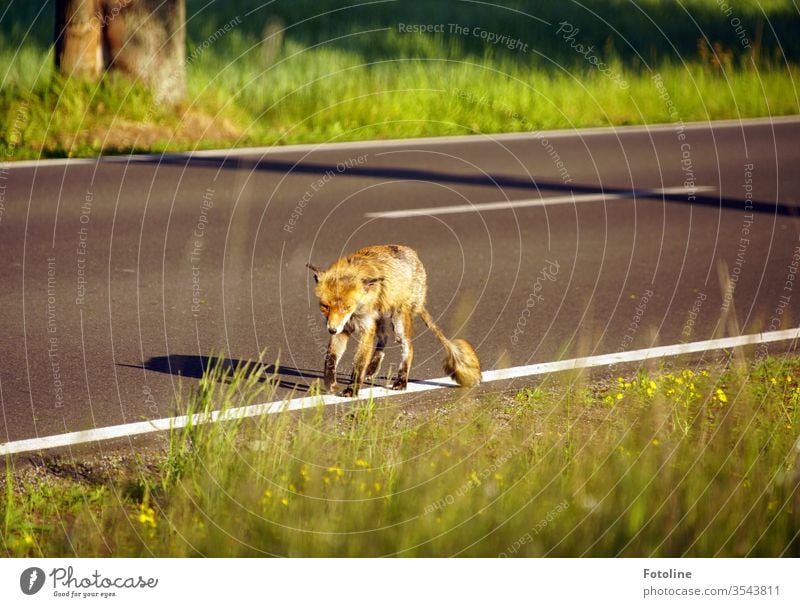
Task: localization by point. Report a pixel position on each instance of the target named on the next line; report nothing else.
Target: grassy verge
(351, 75)
(694, 462)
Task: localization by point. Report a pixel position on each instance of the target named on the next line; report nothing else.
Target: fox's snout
(337, 321)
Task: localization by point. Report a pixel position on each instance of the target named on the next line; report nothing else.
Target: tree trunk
(147, 40)
(144, 39)
(78, 38)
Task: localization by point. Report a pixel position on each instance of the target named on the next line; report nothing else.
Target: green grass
(692, 462)
(331, 79)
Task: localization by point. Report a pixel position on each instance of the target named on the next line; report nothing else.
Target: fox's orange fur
(363, 293)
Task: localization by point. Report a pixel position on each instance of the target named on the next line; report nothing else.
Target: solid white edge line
(528, 202)
(146, 427)
(262, 151)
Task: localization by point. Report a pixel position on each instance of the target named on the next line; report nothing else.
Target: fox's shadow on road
(195, 366)
(289, 378)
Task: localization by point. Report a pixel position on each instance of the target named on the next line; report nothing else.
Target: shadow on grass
(638, 35)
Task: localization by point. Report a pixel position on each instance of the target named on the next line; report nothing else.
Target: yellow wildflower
(147, 516)
(362, 463)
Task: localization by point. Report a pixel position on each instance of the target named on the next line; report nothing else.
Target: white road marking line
(528, 202)
(305, 402)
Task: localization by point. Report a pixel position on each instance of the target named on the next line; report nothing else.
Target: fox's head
(341, 294)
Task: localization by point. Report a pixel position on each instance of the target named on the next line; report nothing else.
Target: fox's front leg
(366, 344)
(336, 347)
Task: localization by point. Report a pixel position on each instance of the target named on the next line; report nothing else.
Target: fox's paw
(372, 369)
(332, 388)
(400, 384)
(347, 392)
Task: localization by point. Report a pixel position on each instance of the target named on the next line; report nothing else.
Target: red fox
(364, 292)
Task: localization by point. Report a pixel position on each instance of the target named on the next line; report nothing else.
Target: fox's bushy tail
(461, 362)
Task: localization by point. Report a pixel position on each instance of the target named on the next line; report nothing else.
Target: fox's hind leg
(403, 332)
(380, 343)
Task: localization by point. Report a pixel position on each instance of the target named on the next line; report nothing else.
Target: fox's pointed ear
(316, 271)
(369, 282)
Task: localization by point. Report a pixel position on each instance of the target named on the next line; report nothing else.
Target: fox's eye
(324, 309)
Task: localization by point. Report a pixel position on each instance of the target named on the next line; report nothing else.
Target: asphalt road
(120, 277)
